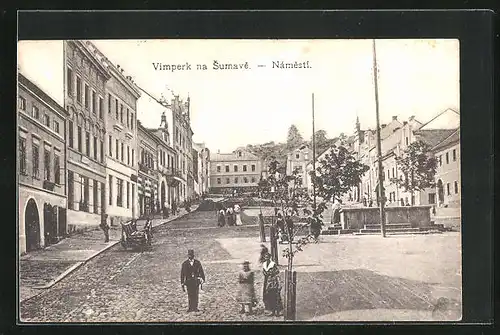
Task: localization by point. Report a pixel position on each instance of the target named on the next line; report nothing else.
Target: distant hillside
(280, 150)
(269, 150)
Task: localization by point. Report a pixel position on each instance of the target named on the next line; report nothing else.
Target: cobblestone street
(125, 286)
(338, 276)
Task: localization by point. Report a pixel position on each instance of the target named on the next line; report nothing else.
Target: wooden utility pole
(379, 147)
(314, 154)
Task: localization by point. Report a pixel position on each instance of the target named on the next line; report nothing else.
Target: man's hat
(246, 262)
(190, 252)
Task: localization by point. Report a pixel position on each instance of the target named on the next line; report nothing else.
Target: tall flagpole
(379, 147)
(314, 154)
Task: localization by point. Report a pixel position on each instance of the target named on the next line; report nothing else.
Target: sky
(232, 108)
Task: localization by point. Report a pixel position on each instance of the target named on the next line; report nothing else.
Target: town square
(242, 193)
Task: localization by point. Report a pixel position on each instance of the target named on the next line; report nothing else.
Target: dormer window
(239, 153)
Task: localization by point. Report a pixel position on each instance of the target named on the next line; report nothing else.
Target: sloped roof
(432, 137)
(232, 156)
(448, 110)
(452, 139)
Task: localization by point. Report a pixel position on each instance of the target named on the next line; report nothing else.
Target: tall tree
(294, 138)
(320, 138)
(337, 173)
(418, 167)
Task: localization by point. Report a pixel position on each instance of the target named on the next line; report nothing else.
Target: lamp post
(379, 146)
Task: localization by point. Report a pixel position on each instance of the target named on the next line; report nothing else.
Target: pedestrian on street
(174, 208)
(192, 277)
(246, 295)
(221, 218)
(272, 287)
(336, 212)
(237, 213)
(230, 216)
(105, 227)
(165, 210)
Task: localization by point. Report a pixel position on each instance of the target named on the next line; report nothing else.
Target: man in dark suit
(192, 277)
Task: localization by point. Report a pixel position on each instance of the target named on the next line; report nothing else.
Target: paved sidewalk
(41, 269)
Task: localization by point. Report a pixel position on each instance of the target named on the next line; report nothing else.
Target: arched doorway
(162, 196)
(440, 191)
(32, 226)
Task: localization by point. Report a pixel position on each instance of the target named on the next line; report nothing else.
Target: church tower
(358, 132)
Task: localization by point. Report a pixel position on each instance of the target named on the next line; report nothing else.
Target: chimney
(405, 123)
(383, 125)
(411, 118)
(395, 117)
(218, 151)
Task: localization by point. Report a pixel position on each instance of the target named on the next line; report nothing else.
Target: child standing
(247, 290)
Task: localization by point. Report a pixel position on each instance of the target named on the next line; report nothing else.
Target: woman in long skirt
(221, 218)
(237, 213)
(246, 296)
(230, 216)
(272, 287)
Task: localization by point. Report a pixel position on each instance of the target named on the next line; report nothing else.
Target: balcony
(144, 168)
(48, 185)
(172, 173)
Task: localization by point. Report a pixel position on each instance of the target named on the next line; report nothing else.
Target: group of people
(230, 216)
(193, 278)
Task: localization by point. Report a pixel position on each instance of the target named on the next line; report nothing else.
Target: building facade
(86, 74)
(41, 167)
(169, 177)
(202, 167)
(239, 170)
(147, 180)
(299, 160)
(121, 138)
(183, 144)
(448, 186)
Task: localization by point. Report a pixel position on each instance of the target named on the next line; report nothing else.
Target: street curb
(79, 264)
(76, 266)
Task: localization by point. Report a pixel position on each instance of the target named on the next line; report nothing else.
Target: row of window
(236, 180)
(147, 159)
(83, 203)
(35, 113)
(88, 97)
(121, 112)
(119, 192)
(235, 168)
(166, 159)
(91, 142)
(180, 139)
(35, 159)
(447, 157)
(455, 188)
(119, 152)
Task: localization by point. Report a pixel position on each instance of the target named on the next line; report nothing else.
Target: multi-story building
(121, 137)
(86, 77)
(202, 168)
(41, 167)
(147, 181)
(75, 77)
(168, 176)
(182, 142)
(447, 177)
(395, 138)
(239, 170)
